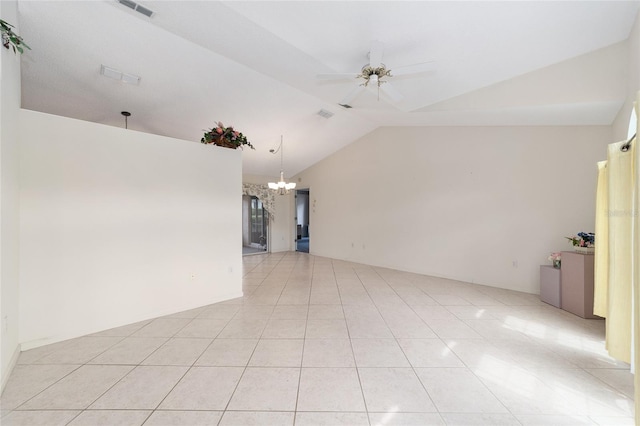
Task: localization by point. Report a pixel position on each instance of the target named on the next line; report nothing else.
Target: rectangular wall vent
(135, 6)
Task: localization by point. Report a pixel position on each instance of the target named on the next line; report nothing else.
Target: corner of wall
(621, 121)
(9, 199)
(12, 363)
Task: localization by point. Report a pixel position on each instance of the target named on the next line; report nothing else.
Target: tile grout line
(190, 369)
(444, 343)
(250, 357)
(400, 346)
(355, 363)
(304, 339)
(509, 411)
(80, 365)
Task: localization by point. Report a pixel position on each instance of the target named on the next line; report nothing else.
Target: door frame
(295, 216)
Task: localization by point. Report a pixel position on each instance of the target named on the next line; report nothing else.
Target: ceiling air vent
(324, 113)
(135, 6)
(119, 75)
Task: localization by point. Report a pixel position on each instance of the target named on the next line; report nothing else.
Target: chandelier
(281, 186)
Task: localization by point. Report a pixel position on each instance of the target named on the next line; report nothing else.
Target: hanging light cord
(275, 151)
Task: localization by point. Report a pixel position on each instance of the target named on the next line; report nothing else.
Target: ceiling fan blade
(414, 68)
(337, 76)
(351, 95)
(375, 54)
(391, 92)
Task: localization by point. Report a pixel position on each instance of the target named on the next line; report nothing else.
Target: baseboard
(32, 344)
(12, 364)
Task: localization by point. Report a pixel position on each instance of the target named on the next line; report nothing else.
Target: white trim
(12, 364)
(84, 332)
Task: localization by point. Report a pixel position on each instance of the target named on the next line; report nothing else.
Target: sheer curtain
(620, 177)
(601, 261)
(636, 263)
(617, 255)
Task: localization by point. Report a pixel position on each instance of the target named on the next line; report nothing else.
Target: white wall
(9, 198)
(114, 222)
(621, 123)
(282, 223)
(462, 203)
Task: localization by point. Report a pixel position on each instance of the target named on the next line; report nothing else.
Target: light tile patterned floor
(316, 341)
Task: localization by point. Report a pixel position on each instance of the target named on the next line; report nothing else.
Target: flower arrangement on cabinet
(555, 258)
(583, 239)
(227, 137)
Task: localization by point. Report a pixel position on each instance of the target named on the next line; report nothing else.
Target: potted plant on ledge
(227, 137)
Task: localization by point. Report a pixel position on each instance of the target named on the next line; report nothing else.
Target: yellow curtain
(636, 261)
(601, 261)
(620, 174)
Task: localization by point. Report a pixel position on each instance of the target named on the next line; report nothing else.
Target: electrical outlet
(514, 263)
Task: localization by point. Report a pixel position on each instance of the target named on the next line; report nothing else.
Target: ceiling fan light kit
(374, 75)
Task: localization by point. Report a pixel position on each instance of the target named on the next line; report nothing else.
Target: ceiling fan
(376, 74)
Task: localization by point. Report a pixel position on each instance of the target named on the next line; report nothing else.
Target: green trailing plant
(11, 39)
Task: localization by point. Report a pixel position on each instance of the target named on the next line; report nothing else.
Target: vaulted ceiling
(254, 65)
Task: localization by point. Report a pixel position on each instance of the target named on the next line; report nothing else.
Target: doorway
(302, 220)
(255, 226)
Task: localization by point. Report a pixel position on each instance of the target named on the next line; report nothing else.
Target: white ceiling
(254, 65)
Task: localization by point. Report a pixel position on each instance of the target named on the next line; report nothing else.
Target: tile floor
(316, 341)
